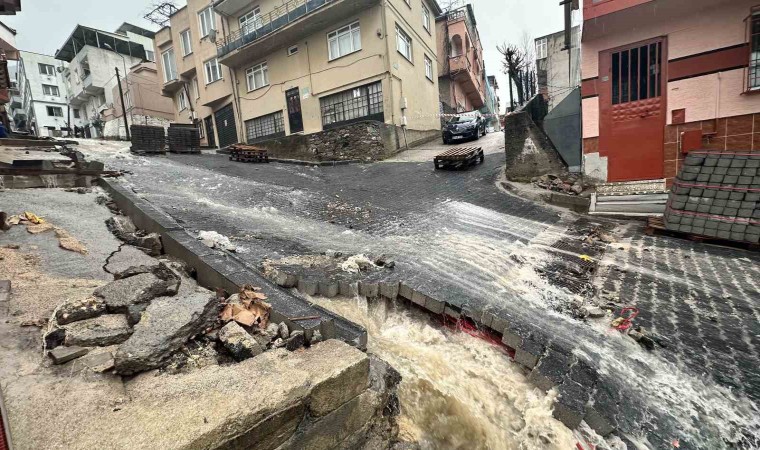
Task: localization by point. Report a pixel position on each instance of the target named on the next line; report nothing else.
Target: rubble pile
(36, 225)
(567, 184)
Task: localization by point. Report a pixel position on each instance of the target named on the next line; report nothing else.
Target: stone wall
(529, 152)
(366, 141)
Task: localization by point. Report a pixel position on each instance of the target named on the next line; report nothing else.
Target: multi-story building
(92, 56)
(8, 51)
(558, 66)
(461, 73)
(44, 93)
(493, 104)
(301, 66)
(658, 73)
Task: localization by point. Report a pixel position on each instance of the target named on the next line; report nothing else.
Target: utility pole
(511, 96)
(123, 105)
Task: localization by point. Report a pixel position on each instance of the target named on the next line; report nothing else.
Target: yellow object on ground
(34, 218)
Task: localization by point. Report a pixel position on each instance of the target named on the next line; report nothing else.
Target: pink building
(662, 77)
(461, 74)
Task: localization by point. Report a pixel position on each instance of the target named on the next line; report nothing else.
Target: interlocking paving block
(529, 352)
(550, 370)
(570, 407)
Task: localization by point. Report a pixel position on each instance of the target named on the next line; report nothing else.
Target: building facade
(557, 67)
(461, 72)
(493, 104)
(44, 93)
(93, 56)
(656, 71)
(8, 52)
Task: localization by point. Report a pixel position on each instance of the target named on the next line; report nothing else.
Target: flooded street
(457, 391)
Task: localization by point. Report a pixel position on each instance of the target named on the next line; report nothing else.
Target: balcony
(460, 70)
(284, 25)
(171, 87)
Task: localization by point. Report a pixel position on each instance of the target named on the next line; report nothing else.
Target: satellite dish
(59, 69)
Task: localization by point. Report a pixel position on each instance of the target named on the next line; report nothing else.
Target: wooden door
(293, 100)
(632, 103)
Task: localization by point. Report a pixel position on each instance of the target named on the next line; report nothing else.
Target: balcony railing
(269, 23)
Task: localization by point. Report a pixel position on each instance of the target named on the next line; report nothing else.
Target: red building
(661, 77)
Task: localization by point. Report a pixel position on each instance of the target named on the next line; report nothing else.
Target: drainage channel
(457, 390)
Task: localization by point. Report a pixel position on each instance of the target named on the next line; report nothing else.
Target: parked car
(464, 126)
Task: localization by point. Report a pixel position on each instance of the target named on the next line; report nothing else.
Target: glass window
(542, 48)
(403, 43)
(196, 88)
(46, 69)
(170, 66)
(250, 21)
(257, 76)
(150, 55)
(428, 68)
(181, 100)
(128, 99)
(213, 70)
(754, 58)
(76, 113)
(264, 126)
(48, 89)
(85, 66)
(206, 21)
(54, 111)
(425, 17)
(184, 39)
(344, 40)
(364, 102)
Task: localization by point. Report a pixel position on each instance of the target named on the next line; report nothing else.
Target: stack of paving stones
(148, 139)
(717, 195)
(184, 138)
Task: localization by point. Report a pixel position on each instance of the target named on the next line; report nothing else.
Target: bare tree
(449, 5)
(160, 12)
(513, 64)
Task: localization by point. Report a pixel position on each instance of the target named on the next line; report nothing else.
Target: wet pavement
(461, 239)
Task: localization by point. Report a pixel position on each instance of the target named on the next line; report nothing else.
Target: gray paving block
(684, 228)
(734, 171)
(690, 169)
(694, 160)
(730, 179)
(688, 176)
(744, 180)
(308, 286)
(717, 179)
(749, 172)
(724, 226)
(434, 306)
(405, 291)
(722, 195)
(736, 195)
(709, 193)
(730, 212)
(724, 162)
(754, 238)
(389, 289)
(738, 162)
(570, 407)
(328, 288)
(752, 196)
(724, 234)
(711, 161)
(737, 236)
(550, 370)
(348, 289)
(703, 178)
(747, 213)
(711, 232)
(528, 353)
(369, 289)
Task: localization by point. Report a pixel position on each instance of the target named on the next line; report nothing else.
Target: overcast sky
(44, 25)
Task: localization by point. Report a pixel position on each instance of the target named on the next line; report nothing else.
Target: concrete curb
(583, 395)
(574, 203)
(217, 269)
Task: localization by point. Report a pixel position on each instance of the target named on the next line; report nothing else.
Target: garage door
(225, 126)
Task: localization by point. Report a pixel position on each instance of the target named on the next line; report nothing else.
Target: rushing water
(457, 391)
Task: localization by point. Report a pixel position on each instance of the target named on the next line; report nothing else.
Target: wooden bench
(248, 153)
(459, 157)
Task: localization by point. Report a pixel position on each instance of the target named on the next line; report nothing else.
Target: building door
(210, 131)
(293, 100)
(225, 125)
(632, 102)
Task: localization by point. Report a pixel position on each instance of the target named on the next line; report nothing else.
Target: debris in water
(357, 263)
(212, 239)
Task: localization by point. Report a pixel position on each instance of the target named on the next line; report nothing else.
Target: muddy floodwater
(458, 391)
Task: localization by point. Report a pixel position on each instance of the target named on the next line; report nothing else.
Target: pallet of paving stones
(148, 139)
(184, 138)
(248, 153)
(459, 157)
(657, 226)
(716, 196)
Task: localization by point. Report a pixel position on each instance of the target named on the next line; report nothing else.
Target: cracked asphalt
(461, 239)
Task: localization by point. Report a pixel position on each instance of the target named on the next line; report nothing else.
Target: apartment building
(8, 51)
(493, 104)
(92, 56)
(461, 72)
(662, 77)
(557, 66)
(278, 69)
(44, 96)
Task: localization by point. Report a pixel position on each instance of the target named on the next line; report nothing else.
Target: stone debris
(165, 327)
(282, 330)
(296, 340)
(128, 256)
(357, 263)
(96, 362)
(109, 329)
(61, 355)
(80, 310)
(238, 342)
(123, 228)
(138, 285)
(247, 308)
(315, 337)
(567, 183)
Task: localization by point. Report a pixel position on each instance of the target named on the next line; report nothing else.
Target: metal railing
(268, 23)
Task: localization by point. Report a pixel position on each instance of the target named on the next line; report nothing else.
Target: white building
(43, 95)
(93, 56)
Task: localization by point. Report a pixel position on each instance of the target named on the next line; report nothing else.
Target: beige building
(303, 66)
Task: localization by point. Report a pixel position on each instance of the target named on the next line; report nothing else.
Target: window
(206, 21)
(76, 113)
(344, 40)
(257, 76)
(48, 89)
(403, 43)
(426, 18)
(636, 73)
(181, 100)
(170, 66)
(196, 88)
(541, 48)
(102, 99)
(54, 111)
(46, 69)
(362, 103)
(213, 70)
(265, 126)
(150, 55)
(200, 129)
(754, 58)
(292, 50)
(184, 39)
(428, 68)
(85, 66)
(128, 99)
(250, 21)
